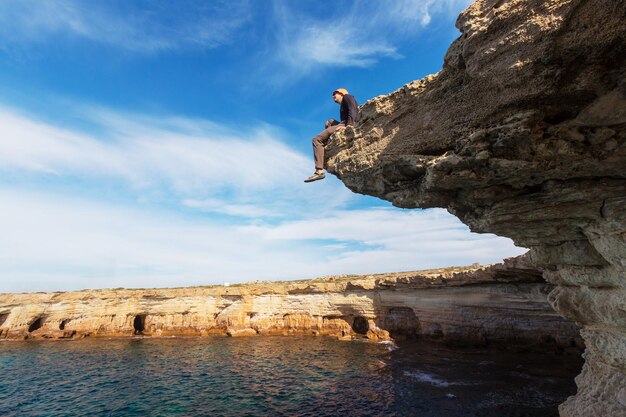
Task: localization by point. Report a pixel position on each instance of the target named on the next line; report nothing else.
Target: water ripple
(273, 376)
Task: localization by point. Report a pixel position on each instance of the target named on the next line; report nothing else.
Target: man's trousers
(319, 142)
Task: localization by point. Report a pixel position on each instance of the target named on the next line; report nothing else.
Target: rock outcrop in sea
(502, 304)
(522, 134)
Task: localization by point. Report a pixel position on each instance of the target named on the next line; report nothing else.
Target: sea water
(276, 376)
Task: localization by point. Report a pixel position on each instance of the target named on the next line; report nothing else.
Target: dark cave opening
(63, 324)
(3, 318)
(360, 325)
(139, 324)
(37, 324)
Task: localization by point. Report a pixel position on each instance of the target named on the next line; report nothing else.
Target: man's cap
(341, 91)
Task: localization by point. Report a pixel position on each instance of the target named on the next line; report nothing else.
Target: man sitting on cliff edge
(348, 114)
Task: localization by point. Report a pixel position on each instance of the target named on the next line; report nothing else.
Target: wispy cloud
(358, 35)
(327, 43)
(424, 237)
(148, 27)
(197, 163)
(148, 151)
(60, 242)
(214, 205)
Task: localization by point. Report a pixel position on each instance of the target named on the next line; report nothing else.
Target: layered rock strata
(504, 303)
(522, 134)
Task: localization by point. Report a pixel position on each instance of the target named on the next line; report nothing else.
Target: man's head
(338, 94)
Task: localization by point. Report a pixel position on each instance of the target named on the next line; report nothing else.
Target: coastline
(502, 304)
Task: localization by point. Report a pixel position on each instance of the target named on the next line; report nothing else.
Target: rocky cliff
(522, 134)
(503, 303)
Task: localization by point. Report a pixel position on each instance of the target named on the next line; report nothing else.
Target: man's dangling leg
(319, 142)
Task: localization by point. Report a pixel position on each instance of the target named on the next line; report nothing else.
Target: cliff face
(503, 303)
(522, 134)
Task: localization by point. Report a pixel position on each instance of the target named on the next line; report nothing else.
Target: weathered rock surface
(522, 134)
(503, 303)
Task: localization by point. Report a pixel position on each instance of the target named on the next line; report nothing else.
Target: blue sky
(159, 144)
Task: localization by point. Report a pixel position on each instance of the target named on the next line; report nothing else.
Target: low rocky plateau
(499, 304)
(522, 134)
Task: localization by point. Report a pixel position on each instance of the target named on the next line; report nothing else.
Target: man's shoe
(315, 177)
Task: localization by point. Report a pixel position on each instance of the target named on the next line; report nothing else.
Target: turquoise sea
(277, 376)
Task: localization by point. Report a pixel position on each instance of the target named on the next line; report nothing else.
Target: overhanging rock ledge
(522, 134)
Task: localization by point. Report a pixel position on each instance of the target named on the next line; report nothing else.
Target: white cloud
(356, 36)
(56, 242)
(320, 44)
(428, 234)
(214, 205)
(146, 152)
(197, 163)
(155, 26)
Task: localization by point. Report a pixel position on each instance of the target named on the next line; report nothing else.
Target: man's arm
(330, 122)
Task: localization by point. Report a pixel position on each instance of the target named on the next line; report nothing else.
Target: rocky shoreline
(502, 304)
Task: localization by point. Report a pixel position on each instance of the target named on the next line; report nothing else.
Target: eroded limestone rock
(504, 303)
(522, 134)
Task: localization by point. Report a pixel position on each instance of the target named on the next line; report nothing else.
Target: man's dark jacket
(349, 110)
